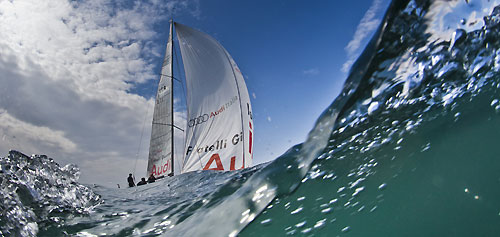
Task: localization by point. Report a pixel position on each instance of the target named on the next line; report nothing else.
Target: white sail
(161, 143)
(219, 132)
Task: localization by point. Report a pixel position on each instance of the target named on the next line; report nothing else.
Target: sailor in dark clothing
(151, 179)
(130, 180)
(142, 182)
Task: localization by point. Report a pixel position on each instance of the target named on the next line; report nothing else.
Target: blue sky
(77, 77)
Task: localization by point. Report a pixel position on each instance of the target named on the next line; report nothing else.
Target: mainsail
(162, 135)
(219, 131)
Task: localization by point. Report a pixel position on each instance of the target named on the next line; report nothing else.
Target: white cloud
(30, 136)
(311, 72)
(366, 27)
(65, 69)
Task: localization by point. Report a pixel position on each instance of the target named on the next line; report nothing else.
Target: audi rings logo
(198, 120)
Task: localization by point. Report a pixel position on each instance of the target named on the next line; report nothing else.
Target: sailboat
(219, 131)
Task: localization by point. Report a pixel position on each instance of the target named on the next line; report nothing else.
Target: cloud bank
(66, 69)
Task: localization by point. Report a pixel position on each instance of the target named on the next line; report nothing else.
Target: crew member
(151, 179)
(142, 182)
(130, 180)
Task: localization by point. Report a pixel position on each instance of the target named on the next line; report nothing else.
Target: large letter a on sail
(217, 162)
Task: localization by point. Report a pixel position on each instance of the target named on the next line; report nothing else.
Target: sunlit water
(409, 148)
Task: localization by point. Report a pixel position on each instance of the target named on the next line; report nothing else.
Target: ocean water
(409, 148)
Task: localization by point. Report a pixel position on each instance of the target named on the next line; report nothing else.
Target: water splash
(36, 192)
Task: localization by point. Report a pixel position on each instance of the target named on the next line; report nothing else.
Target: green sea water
(440, 179)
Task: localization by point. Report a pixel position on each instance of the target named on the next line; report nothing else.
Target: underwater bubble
(382, 186)
(494, 102)
(328, 176)
(355, 183)
(296, 211)
(426, 147)
(346, 229)
(266, 222)
(300, 224)
(326, 210)
(307, 230)
(320, 223)
(357, 191)
(233, 233)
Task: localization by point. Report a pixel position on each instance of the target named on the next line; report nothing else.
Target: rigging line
(142, 135)
(170, 77)
(167, 124)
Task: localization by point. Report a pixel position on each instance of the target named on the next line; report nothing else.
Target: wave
(411, 135)
(407, 148)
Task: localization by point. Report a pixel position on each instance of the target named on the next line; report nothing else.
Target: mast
(172, 94)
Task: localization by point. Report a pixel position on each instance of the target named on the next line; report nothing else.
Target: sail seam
(239, 96)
